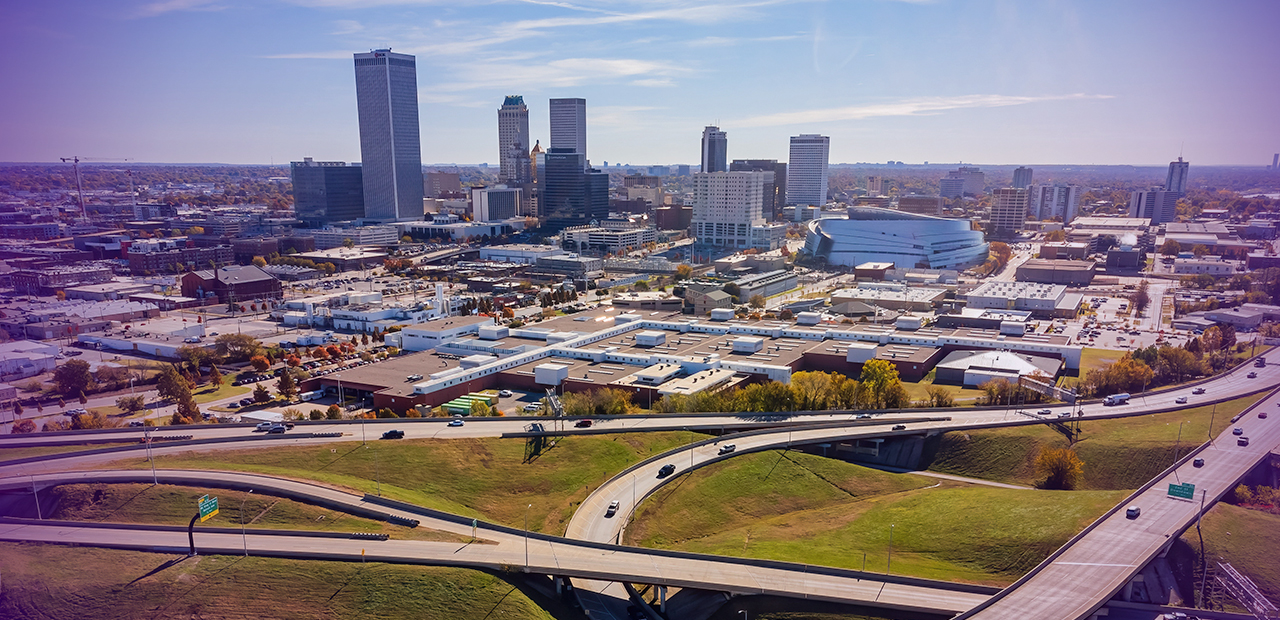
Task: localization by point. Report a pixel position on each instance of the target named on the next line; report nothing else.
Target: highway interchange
(1116, 544)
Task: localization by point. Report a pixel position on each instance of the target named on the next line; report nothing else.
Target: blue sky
(986, 81)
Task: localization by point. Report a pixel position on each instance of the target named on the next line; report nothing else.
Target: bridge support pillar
(559, 585)
(662, 599)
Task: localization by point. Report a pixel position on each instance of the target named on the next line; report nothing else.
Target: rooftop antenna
(1180, 149)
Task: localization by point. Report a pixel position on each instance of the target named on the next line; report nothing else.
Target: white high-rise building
(569, 125)
(1008, 211)
(726, 206)
(513, 139)
(390, 147)
(715, 147)
(807, 170)
(1176, 181)
(875, 186)
(1049, 201)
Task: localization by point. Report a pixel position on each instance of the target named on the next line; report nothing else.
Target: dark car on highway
(666, 470)
(393, 434)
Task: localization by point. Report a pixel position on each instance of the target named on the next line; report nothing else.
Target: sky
(982, 81)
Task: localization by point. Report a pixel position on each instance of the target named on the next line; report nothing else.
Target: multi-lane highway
(1091, 568)
(628, 488)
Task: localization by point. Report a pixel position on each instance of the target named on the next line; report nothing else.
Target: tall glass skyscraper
(569, 125)
(513, 140)
(570, 196)
(715, 147)
(807, 170)
(1176, 181)
(327, 191)
(391, 150)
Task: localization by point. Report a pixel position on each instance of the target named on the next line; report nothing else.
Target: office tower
(569, 126)
(439, 184)
(390, 149)
(513, 140)
(726, 206)
(1047, 202)
(494, 204)
(923, 205)
(327, 191)
(1275, 161)
(568, 194)
(974, 181)
(715, 148)
(1008, 211)
(807, 170)
(682, 170)
(1160, 205)
(1022, 177)
(775, 184)
(1177, 180)
(950, 187)
(875, 186)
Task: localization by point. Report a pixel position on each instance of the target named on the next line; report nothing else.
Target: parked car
(1133, 512)
(393, 434)
(532, 407)
(727, 448)
(504, 393)
(455, 422)
(613, 509)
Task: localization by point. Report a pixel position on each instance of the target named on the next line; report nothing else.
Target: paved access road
(1098, 564)
(502, 548)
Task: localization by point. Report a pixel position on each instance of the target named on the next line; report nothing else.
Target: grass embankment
(480, 477)
(11, 454)
(1245, 538)
(804, 508)
(1121, 453)
(174, 505)
(208, 393)
(964, 396)
(50, 581)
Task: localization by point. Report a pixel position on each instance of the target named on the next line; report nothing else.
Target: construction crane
(75, 165)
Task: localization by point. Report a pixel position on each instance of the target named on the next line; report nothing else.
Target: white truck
(1116, 399)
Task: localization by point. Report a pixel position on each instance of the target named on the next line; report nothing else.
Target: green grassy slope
(1120, 453)
(482, 477)
(948, 531)
(71, 583)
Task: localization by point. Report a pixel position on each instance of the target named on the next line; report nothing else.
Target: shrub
(1059, 469)
(316, 414)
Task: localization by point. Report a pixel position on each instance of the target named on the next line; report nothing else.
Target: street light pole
(889, 564)
(1178, 441)
(243, 535)
(526, 537)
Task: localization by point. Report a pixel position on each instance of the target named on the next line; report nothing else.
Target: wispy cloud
(347, 26)
(728, 41)
(906, 107)
(557, 73)
(618, 115)
(168, 6)
(654, 82)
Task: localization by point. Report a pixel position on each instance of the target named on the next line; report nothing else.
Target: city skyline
(238, 82)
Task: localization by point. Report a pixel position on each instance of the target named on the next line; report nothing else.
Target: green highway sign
(208, 508)
(1185, 490)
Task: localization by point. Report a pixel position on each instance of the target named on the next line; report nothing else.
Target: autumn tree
(260, 394)
(237, 347)
(22, 427)
(72, 377)
(260, 363)
(1170, 248)
(938, 396)
(1059, 469)
(259, 262)
(1055, 236)
(131, 404)
(333, 412)
(1140, 297)
(683, 272)
(880, 385)
(171, 385)
(286, 386)
(215, 377)
(757, 301)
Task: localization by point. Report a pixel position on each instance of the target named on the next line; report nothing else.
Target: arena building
(904, 239)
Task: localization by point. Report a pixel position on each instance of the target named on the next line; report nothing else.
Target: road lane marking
(1094, 564)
